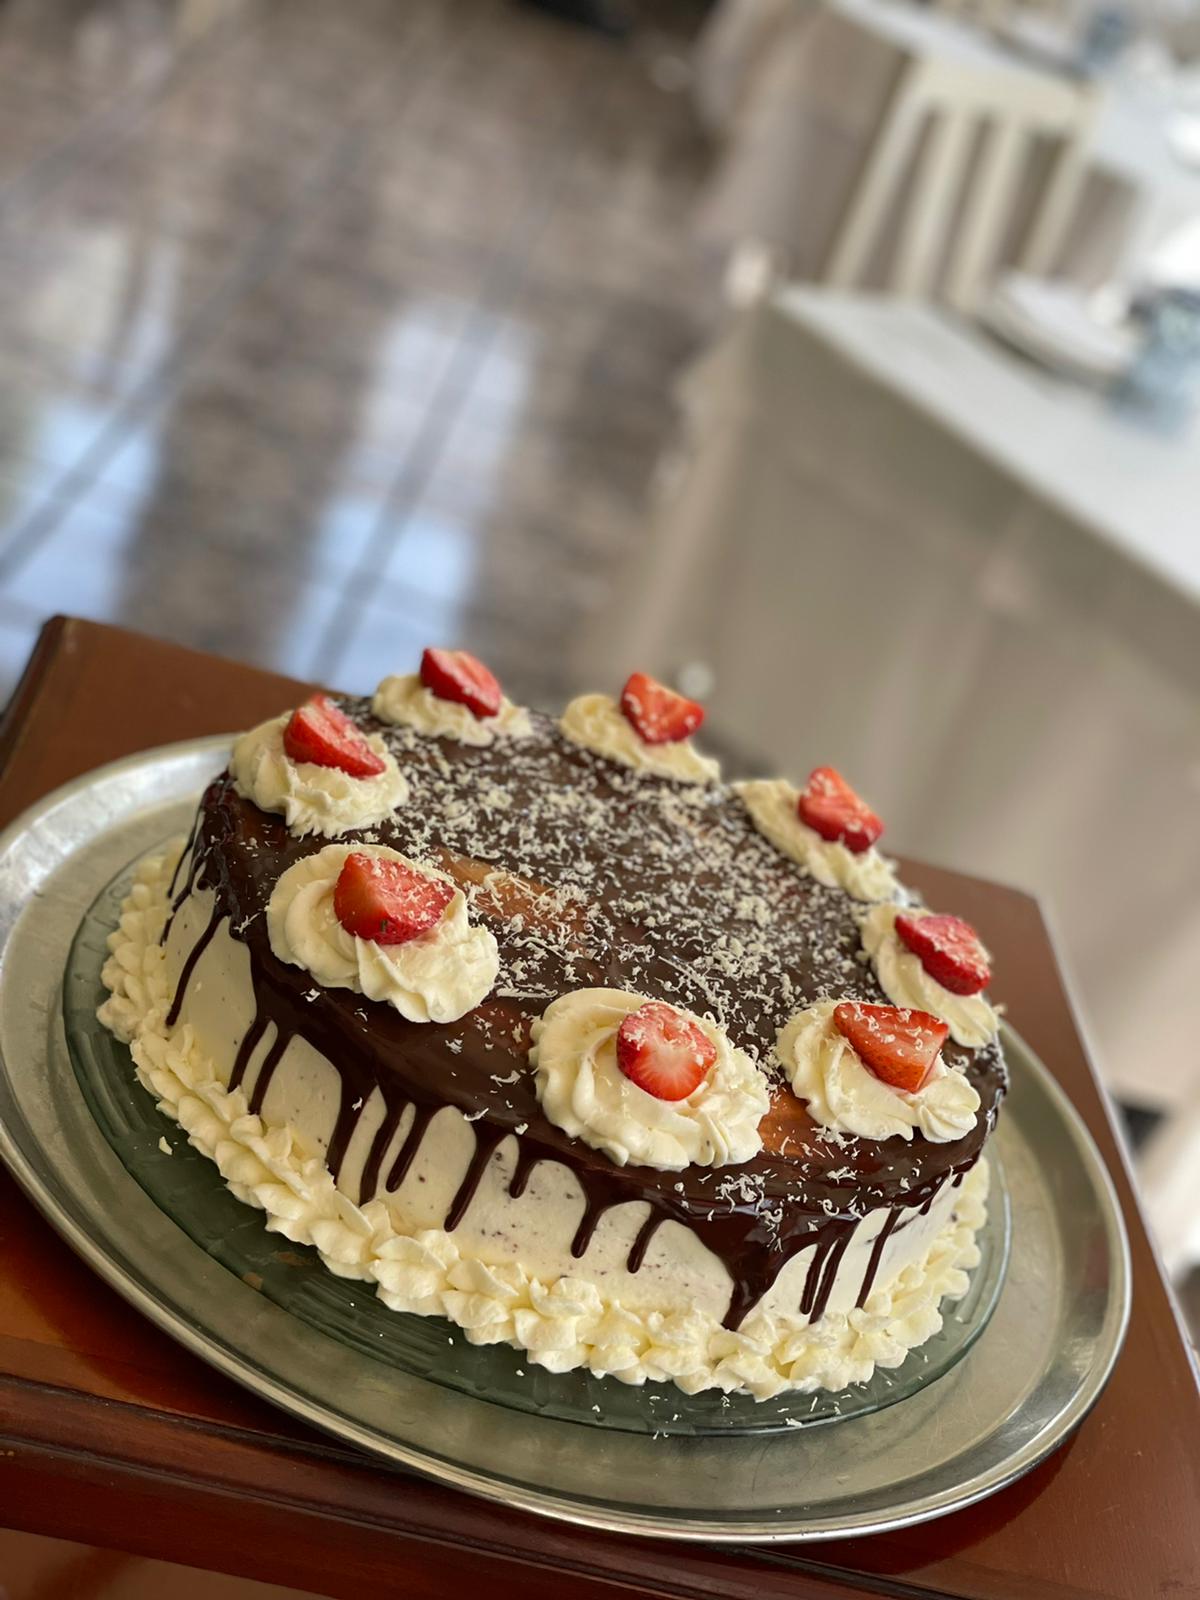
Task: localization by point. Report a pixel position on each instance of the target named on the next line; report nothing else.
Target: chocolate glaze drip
(594, 1208)
(649, 891)
(189, 966)
(184, 856)
(641, 1244)
(881, 1238)
(251, 1040)
(384, 1134)
(412, 1143)
(527, 1159)
(267, 1071)
(195, 861)
(343, 1130)
(486, 1140)
(822, 1271)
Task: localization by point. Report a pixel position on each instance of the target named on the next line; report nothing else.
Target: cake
(539, 1026)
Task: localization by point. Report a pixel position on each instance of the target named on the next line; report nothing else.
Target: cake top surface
(590, 874)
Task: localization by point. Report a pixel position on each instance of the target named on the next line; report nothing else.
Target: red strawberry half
(320, 733)
(455, 675)
(897, 1044)
(949, 950)
(387, 901)
(664, 1052)
(830, 806)
(657, 714)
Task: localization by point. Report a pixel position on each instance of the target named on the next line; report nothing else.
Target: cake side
(506, 1272)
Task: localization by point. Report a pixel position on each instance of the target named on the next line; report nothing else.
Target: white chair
(971, 135)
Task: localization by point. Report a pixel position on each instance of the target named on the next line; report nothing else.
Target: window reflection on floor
(327, 330)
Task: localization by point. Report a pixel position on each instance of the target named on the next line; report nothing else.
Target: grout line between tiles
(257, 262)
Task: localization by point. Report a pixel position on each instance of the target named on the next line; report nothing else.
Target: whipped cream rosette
(316, 797)
(903, 977)
(773, 804)
(584, 1091)
(648, 729)
(435, 976)
(440, 703)
(828, 1073)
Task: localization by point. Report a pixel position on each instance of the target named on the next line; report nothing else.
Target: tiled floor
(326, 331)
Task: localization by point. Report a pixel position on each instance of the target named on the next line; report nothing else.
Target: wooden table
(111, 1435)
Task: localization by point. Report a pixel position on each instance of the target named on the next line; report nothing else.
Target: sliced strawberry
(949, 950)
(664, 1052)
(320, 733)
(386, 901)
(657, 714)
(897, 1044)
(829, 805)
(455, 675)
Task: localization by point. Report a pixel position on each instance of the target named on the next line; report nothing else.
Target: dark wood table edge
(16, 713)
(64, 1442)
(1124, 1180)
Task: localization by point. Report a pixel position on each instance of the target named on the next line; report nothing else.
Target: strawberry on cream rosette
(826, 828)
(648, 729)
(933, 962)
(647, 1083)
(367, 918)
(319, 770)
(452, 696)
(876, 1071)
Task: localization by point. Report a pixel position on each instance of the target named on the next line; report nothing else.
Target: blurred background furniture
(795, 96)
(964, 134)
(887, 543)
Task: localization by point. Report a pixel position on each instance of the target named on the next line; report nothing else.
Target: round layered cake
(539, 1026)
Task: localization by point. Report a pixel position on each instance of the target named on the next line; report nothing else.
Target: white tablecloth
(977, 592)
(793, 90)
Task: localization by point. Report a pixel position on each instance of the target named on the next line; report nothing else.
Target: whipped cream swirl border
(771, 802)
(437, 977)
(561, 1325)
(824, 1070)
(597, 723)
(404, 701)
(972, 1020)
(311, 798)
(583, 1091)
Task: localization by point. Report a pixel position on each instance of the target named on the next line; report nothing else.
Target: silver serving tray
(1022, 1388)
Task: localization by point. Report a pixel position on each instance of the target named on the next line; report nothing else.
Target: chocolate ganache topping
(590, 875)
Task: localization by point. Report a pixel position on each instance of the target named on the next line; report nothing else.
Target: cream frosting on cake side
(508, 1270)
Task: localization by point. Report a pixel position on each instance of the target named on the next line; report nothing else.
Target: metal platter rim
(88, 813)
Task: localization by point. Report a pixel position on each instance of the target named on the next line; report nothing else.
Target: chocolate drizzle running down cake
(589, 875)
